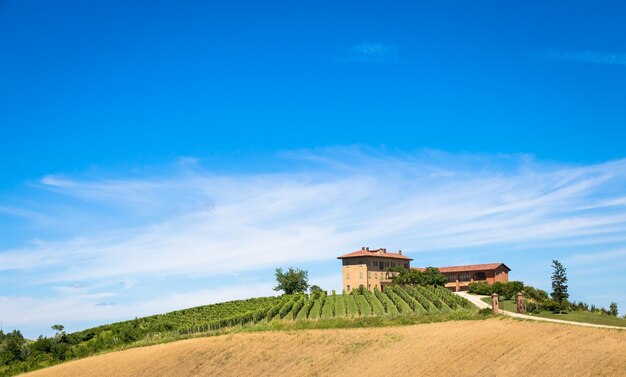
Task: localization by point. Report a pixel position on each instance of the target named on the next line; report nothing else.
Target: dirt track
(495, 347)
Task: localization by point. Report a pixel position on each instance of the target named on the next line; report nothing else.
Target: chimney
(367, 248)
(385, 251)
(400, 252)
(363, 248)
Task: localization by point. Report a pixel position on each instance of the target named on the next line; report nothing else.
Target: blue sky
(142, 144)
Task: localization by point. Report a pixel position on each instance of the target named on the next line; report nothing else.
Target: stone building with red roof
(369, 268)
(459, 277)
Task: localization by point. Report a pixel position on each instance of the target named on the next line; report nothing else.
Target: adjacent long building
(368, 268)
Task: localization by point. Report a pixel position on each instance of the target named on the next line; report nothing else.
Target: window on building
(346, 262)
(348, 288)
(451, 278)
(360, 274)
(406, 266)
(386, 264)
(465, 276)
(360, 261)
(347, 276)
(369, 275)
(375, 275)
(393, 264)
(369, 286)
(480, 276)
(376, 263)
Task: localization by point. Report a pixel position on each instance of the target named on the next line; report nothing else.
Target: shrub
(553, 306)
(536, 294)
(533, 307)
(480, 288)
(485, 311)
(498, 287)
(511, 288)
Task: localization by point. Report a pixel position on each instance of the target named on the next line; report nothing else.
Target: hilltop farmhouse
(368, 268)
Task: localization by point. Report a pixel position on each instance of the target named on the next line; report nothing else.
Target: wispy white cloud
(23, 213)
(371, 52)
(596, 257)
(599, 57)
(198, 223)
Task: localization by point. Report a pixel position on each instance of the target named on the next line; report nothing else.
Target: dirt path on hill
(476, 300)
(493, 347)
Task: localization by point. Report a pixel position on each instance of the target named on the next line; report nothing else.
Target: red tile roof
(382, 253)
(469, 268)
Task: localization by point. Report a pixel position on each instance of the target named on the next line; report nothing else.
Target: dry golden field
(494, 347)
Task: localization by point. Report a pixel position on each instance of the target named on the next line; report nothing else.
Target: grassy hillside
(573, 315)
(414, 304)
(493, 347)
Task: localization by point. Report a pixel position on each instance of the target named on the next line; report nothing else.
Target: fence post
(495, 304)
(519, 298)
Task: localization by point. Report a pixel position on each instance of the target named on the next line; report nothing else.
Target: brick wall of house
(501, 274)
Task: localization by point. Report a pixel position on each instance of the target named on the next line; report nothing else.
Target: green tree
(292, 281)
(13, 347)
(316, 291)
(59, 329)
(613, 309)
(400, 276)
(432, 276)
(559, 284)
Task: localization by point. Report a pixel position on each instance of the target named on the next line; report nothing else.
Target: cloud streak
(371, 53)
(599, 57)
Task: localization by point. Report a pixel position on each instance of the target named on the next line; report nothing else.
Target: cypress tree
(559, 284)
